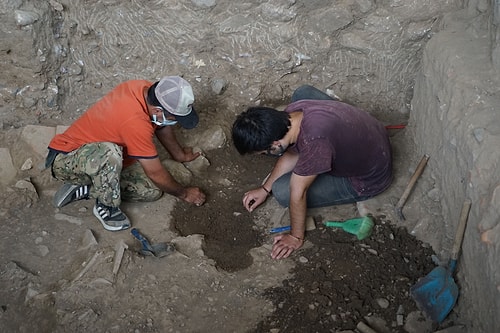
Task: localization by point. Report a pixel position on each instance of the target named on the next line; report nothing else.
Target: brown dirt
(342, 279)
(330, 284)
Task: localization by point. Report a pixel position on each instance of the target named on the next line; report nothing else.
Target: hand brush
(361, 227)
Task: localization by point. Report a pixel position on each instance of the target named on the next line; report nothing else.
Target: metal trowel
(156, 250)
(310, 225)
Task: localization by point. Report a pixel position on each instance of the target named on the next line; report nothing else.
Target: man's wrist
(265, 189)
(180, 193)
(297, 238)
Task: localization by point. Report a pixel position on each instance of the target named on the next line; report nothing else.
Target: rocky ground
(59, 266)
(60, 271)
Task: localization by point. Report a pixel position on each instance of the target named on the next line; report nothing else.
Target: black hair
(257, 128)
(151, 95)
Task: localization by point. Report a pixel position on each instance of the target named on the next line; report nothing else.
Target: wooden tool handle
(413, 180)
(459, 236)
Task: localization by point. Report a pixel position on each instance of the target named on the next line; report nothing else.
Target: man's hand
(168, 140)
(284, 245)
(194, 195)
(252, 199)
(188, 155)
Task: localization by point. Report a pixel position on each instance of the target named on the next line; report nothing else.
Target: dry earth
(57, 266)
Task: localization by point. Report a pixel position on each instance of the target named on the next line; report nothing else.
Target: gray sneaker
(112, 218)
(69, 193)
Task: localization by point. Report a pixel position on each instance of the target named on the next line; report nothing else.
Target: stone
(7, 170)
(218, 86)
(204, 3)
(44, 250)
(416, 322)
(212, 138)
(178, 171)
(27, 165)
(68, 218)
(38, 137)
(198, 165)
(88, 240)
(24, 17)
(28, 189)
(383, 303)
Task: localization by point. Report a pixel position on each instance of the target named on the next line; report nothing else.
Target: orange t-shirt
(120, 117)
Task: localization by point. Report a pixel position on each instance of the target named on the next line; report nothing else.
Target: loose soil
(54, 280)
(337, 281)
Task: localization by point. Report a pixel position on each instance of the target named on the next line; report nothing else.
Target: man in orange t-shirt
(109, 153)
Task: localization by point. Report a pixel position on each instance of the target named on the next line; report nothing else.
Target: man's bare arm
(285, 164)
(254, 198)
(284, 245)
(167, 138)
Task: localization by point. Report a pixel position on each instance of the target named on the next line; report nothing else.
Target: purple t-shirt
(344, 141)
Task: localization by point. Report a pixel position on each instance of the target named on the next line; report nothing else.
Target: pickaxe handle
(418, 171)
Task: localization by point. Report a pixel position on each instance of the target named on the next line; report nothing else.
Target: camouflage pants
(100, 165)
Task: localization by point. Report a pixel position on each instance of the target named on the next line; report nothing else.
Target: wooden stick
(418, 171)
(87, 266)
(119, 250)
(459, 236)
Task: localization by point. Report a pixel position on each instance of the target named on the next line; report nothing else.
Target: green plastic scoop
(361, 227)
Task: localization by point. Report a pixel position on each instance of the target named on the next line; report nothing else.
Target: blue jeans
(326, 190)
(309, 92)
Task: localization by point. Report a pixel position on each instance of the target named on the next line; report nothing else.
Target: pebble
(27, 165)
(383, 303)
(400, 320)
(218, 86)
(44, 250)
(400, 316)
(434, 195)
(24, 17)
(70, 219)
(303, 259)
(479, 134)
(416, 322)
(56, 5)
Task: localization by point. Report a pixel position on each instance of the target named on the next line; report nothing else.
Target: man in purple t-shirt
(329, 153)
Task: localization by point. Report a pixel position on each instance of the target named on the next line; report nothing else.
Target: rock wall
(367, 51)
(455, 119)
(27, 84)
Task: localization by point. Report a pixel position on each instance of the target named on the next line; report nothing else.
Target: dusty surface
(56, 265)
(221, 277)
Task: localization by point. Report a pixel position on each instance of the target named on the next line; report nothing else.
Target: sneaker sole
(108, 227)
(63, 195)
